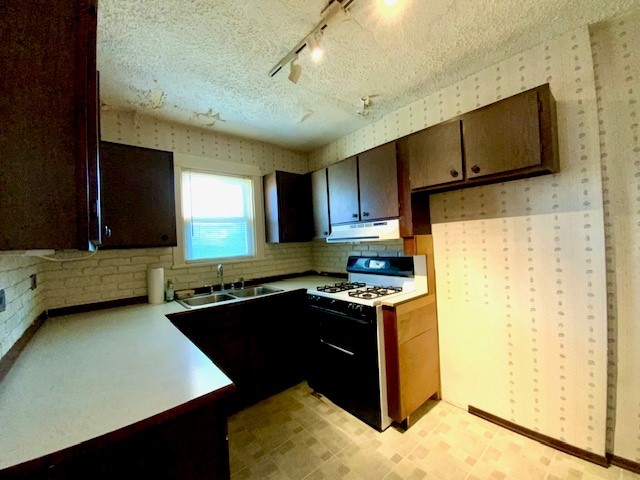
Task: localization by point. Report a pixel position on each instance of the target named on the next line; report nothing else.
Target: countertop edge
(43, 462)
(390, 303)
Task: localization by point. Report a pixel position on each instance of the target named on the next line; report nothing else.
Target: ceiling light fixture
(295, 71)
(390, 3)
(312, 40)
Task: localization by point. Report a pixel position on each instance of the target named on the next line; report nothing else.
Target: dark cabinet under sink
(258, 343)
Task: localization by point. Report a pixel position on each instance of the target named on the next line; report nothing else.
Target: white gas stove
(348, 354)
(372, 278)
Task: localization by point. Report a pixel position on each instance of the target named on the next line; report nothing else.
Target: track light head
(313, 42)
(295, 71)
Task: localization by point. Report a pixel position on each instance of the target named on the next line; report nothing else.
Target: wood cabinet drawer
(414, 320)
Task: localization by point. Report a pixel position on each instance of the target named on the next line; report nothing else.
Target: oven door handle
(337, 348)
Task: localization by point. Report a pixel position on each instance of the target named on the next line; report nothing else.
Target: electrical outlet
(3, 302)
(34, 281)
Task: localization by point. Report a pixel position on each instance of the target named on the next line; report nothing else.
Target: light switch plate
(3, 302)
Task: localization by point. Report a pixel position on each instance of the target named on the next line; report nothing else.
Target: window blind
(218, 215)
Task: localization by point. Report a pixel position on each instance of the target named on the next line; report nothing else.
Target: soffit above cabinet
(207, 63)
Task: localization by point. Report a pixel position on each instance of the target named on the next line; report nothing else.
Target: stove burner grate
(340, 287)
(374, 292)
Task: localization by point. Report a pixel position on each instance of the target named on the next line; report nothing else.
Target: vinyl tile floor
(298, 435)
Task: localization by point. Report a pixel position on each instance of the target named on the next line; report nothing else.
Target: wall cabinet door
(320, 197)
(48, 181)
(435, 155)
(138, 203)
(288, 213)
(378, 183)
(343, 191)
(504, 136)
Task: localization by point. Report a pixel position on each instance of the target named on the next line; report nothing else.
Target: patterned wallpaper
(136, 129)
(520, 265)
(615, 47)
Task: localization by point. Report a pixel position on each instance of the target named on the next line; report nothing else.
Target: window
(219, 211)
(218, 216)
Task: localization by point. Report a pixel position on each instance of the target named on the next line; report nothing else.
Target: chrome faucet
(221, 275)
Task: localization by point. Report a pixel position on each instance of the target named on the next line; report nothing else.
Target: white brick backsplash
(115, 261)
(23, 304)
(145, 259)
(82, 281)
(117, 278)
(132, 285)
(132, 268)
(99, 270)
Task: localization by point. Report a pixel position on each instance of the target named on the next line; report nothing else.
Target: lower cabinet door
(278, 344)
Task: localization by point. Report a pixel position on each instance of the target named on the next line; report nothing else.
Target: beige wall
(616, 53)
(520, 266)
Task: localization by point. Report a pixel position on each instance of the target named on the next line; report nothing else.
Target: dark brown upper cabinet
(506, 140)
(320, 200)
(287, 205)
(378, 182)
(364, 187)
(503, 137)
(138, 201)
(49, 191)
(435, 155)
(343, 191)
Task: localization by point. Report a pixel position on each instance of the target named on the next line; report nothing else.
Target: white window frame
(182, 162)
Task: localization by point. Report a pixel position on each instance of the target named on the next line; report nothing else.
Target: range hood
(365, 231)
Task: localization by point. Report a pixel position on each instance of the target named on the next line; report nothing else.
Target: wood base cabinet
(412, 356)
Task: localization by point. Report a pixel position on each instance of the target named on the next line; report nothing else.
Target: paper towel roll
(155, 285)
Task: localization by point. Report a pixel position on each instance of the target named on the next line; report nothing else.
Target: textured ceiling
(206, 63)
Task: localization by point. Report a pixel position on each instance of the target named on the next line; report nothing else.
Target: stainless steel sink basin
(209, 299)
(254, 291)
(206, 299)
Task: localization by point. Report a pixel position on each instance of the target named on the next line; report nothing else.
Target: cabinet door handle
(355, 215)
(365, 214)
(337, 348)
(107, 232)
(454, 173)
(475, 169)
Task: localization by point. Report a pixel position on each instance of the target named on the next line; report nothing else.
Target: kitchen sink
(205, 299)
(211, 298)
(254, 291)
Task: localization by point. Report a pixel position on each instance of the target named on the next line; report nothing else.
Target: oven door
(344, 363)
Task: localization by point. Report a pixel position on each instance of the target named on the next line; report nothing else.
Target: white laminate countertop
(85, 375)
